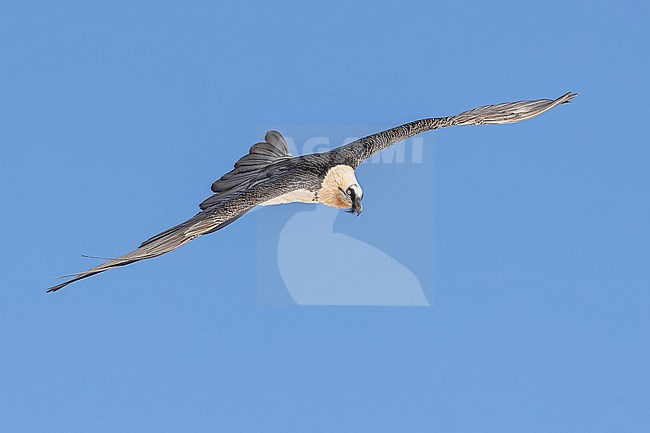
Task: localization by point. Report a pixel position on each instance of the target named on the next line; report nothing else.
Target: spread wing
(269, 179)
(509, 112)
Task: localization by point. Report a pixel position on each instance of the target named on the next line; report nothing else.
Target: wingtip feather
(569, 96)
(57, 287)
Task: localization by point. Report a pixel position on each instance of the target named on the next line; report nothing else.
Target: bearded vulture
(270, 175)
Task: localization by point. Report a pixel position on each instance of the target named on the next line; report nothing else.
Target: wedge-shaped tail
(249, 167)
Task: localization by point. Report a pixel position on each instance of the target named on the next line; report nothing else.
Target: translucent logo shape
(316, 255)
(347, 271)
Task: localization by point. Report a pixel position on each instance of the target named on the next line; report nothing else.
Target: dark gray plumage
(269, 171)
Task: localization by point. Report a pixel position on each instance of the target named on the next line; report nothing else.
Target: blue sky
(116, 117)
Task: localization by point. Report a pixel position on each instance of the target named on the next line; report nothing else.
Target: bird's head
(352, 196)
(341, 189)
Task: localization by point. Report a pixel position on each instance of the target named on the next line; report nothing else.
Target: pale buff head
(341, 189)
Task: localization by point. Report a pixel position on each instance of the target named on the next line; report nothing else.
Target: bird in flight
(270, 175)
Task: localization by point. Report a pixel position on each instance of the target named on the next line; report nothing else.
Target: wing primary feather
(509, 112)
(158, 245)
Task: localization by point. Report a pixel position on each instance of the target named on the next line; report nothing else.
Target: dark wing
(250, 168)
(271, 181)
(227, 210)
(509, 112)
(154, 247)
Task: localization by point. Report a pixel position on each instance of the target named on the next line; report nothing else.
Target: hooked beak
(356, 205)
